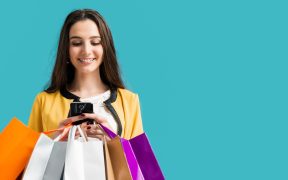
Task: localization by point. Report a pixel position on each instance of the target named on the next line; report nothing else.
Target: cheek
(99, 51)
(73, 51)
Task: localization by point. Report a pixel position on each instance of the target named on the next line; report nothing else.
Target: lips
(86, 60)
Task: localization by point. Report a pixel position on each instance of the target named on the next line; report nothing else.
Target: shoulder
(43, 96)
(127, 94)
(127, 97)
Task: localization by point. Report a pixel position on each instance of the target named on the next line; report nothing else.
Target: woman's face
(85, 49)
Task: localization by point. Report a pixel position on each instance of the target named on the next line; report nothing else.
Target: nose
(86, 50)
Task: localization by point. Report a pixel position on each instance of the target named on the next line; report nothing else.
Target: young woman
(86, 70)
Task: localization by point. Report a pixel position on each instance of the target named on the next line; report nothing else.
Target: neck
(87, 85)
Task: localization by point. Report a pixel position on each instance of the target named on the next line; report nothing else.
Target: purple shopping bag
(140, 157)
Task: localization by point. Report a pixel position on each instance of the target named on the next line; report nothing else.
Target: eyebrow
(78, 37)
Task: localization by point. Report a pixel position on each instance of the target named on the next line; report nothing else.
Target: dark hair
(63, 73)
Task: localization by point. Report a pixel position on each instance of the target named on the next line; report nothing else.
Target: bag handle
(109, 133)
(64, 130)
(60, 136)
(83, 134)
(72, 133)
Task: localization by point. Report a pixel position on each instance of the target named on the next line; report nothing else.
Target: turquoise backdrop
(211, 75)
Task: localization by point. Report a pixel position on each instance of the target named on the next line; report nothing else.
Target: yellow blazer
(51, 108)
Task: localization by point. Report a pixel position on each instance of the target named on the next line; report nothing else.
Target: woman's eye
(80, 43)
(75, 44)
(95, 43)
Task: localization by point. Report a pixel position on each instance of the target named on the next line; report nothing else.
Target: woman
(87, 70)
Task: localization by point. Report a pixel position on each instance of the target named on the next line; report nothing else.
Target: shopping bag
(134, 167)
(16, 145)
(41, 155)
(125, 153)
(84, 157)
(39, 159)
(118, 161)
(139, 155)
(146, 158)
(108, 163)
(55, 165)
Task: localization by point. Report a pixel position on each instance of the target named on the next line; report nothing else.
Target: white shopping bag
(39, 158)
(84, 158)
(55, 165)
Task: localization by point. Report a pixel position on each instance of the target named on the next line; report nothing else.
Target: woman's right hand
(64, 123)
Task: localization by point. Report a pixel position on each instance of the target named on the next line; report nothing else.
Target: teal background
(211, 75)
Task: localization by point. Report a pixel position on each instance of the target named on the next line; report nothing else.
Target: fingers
(65, 136)
(94, 130)
(71, 120)
(89, 130)
(84, 126)
(97, 118)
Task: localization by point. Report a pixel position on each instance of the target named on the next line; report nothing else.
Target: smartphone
(77, 108)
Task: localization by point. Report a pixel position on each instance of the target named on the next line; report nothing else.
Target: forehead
(84, 29)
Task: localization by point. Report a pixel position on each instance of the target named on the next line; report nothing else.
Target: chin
(87, 70)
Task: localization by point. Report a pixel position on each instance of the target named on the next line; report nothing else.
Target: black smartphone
(77, 108)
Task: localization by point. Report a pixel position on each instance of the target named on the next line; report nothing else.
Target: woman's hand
(93, 130)
(66, 122)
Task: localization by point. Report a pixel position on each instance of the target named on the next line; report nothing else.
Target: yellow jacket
(51, 108)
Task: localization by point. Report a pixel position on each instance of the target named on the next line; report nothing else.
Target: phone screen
(77, 108)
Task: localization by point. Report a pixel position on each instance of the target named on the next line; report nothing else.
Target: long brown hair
(63, 73)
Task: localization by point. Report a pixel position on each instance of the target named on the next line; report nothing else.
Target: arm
(35, 119)
(137, 127)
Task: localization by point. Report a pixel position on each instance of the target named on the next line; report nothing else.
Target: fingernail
(82, 114)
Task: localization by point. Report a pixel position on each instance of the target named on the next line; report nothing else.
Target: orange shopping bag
(16, 145)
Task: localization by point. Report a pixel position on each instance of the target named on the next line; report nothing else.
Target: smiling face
(85, 49)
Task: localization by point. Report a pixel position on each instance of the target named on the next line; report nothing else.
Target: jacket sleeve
(137, 128)
(35, 119)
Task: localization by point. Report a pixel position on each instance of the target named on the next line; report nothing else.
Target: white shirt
(100, 109)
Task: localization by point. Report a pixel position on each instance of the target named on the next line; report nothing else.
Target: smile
(86, 59)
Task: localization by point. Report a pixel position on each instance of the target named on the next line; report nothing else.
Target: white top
(100, 109)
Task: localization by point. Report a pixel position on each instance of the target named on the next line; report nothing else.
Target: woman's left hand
(93, 130)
